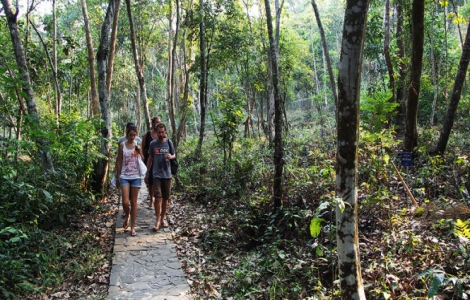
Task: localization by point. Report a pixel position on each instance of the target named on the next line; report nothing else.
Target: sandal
(156, 228)
(126, 224)
(164, 224)
(133, 233)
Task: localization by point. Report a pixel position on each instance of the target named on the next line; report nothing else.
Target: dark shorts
(162, 188)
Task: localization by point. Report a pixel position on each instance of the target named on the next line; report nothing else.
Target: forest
(323, 145)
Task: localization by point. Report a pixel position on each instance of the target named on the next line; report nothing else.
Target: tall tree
(54, 55)
(12, 18)
(388, 59)
(347, 118)
(401, 86)
(455, 98)
(138, 67)
(95, 108)
(278, 146)
(411, 130)
(203, 76)
(102, 165)
(326, 52)
(112, 47)
(172, 69)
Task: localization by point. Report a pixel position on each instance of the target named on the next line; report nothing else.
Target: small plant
(440, 278)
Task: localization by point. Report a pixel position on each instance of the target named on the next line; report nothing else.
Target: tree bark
(54, 71)
(101, 166)
(455, 98)
(95, 107)
(202, 79)
(347, 118)
(411, 130)
(278, 146)
(326, 52)
(388, 59)
(172, 72)
(54, 55)
(112, 46)
(138, 67)
(400, 96)
(27, 89)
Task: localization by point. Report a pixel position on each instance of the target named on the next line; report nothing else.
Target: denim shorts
(136, 182)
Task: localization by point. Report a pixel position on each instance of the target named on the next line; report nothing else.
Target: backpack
(173, 162)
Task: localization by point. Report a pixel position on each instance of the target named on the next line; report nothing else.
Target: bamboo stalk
(405, 185)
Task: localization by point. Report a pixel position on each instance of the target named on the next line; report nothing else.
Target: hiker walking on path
(146, 140)
(160, 155)
(128, 176)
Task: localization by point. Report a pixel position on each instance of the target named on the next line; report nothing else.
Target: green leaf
(47, 194)
(436, 284)
(315, 227)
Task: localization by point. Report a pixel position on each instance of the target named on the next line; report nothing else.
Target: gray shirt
(161, 166)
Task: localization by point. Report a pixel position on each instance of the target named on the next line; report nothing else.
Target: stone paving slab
(146, 266)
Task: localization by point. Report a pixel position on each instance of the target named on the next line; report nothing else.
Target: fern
(462, 229)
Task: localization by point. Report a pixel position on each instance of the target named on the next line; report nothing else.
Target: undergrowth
(38, 250)
(251, 251)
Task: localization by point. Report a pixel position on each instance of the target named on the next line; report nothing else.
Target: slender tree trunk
(456, 94)
(325, 50)
(388, 59)
(278, 145)
(434, 73)
(400, 119)
(411, 130)
(27, 89)
(51, 64)
(112, 46)
(54, 55)
(172, 72)
(184, 108)
(203, 81)
(102, 165)
(138, 67)
(347, 118)
(95, 107)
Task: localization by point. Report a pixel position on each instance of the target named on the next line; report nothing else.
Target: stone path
(146, 266)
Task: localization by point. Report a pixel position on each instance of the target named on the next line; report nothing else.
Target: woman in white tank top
(128, 177)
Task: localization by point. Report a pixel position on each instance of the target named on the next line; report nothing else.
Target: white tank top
(130, 163)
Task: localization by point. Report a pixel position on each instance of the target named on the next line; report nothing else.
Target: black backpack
(173, 162)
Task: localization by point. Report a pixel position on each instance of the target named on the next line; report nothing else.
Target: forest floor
(222, 251)
(405, 253)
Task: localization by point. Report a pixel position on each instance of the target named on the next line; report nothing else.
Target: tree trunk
(325, 50)
(434, 74)
(102, 165)
(95, 107)
(388, 59)
(400, 118)
(347, 118)
(172, 73)
(54, 72)
(27, 89)
(278, 147)
(456, 93)
(54, 55)
(202, 80)
(185, 106)
(138, 67)
(411, 130)
(112, 46)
